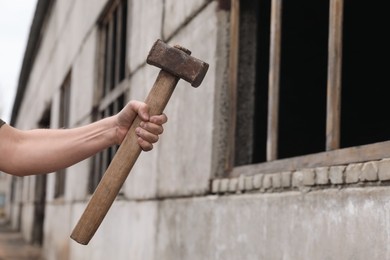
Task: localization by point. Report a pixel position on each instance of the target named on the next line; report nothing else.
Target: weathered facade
(253, 164)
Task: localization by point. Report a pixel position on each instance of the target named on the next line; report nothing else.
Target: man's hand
(150, 127)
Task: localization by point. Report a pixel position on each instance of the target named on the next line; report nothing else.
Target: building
(281, 153)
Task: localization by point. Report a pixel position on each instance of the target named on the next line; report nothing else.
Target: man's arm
(47, 150)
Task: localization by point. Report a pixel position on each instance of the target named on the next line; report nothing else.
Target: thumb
(141, 109)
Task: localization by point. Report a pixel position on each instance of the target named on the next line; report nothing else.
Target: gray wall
(173, 206)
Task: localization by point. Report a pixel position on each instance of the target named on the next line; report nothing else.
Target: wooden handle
(121, 164)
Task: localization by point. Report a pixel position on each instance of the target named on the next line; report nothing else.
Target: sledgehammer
(175, 63)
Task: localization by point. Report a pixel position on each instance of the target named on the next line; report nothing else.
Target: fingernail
(142, 124)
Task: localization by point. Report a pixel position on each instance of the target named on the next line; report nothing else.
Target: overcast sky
(15, 21)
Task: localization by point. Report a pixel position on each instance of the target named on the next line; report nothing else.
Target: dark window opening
(261, 90)
(303, 76)
(365, 84)
(252, 87)
(64, 116)
(123, 41)
(113, 29)
(40, 190)
(102, 160)
(302, 118)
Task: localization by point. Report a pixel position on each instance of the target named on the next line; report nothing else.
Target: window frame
(112, 77)
(63, 122)
(332, 155)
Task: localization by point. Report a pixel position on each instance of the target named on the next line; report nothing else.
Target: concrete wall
(326, 224)
(165, 175)
(175, 205)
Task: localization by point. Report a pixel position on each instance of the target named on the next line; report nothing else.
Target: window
(310, 88)
(112, 83)
(63, 122)
(365, 85)
(40, 189)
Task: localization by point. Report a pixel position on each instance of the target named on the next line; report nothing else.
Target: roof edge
(41, 11)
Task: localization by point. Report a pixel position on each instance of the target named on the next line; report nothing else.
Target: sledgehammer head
(177, 61)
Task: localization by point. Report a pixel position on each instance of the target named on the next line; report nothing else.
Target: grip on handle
(121, 164)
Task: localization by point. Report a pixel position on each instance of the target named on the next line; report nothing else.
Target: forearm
(47, 150)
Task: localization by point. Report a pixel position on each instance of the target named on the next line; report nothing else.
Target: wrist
(111, 130)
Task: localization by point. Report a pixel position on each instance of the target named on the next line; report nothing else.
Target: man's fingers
(152, 128)
(146, 135)
(145, 146)
(159, 119)
(141, 109)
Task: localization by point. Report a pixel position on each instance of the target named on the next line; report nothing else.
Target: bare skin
(42, 151)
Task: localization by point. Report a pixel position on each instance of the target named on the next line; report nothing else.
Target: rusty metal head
(177, 61)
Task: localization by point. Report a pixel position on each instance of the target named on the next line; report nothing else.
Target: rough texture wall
(68, 44)
(176, 168)
(176, 203)
(327, 224)
(339, 212)
(66, 29)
